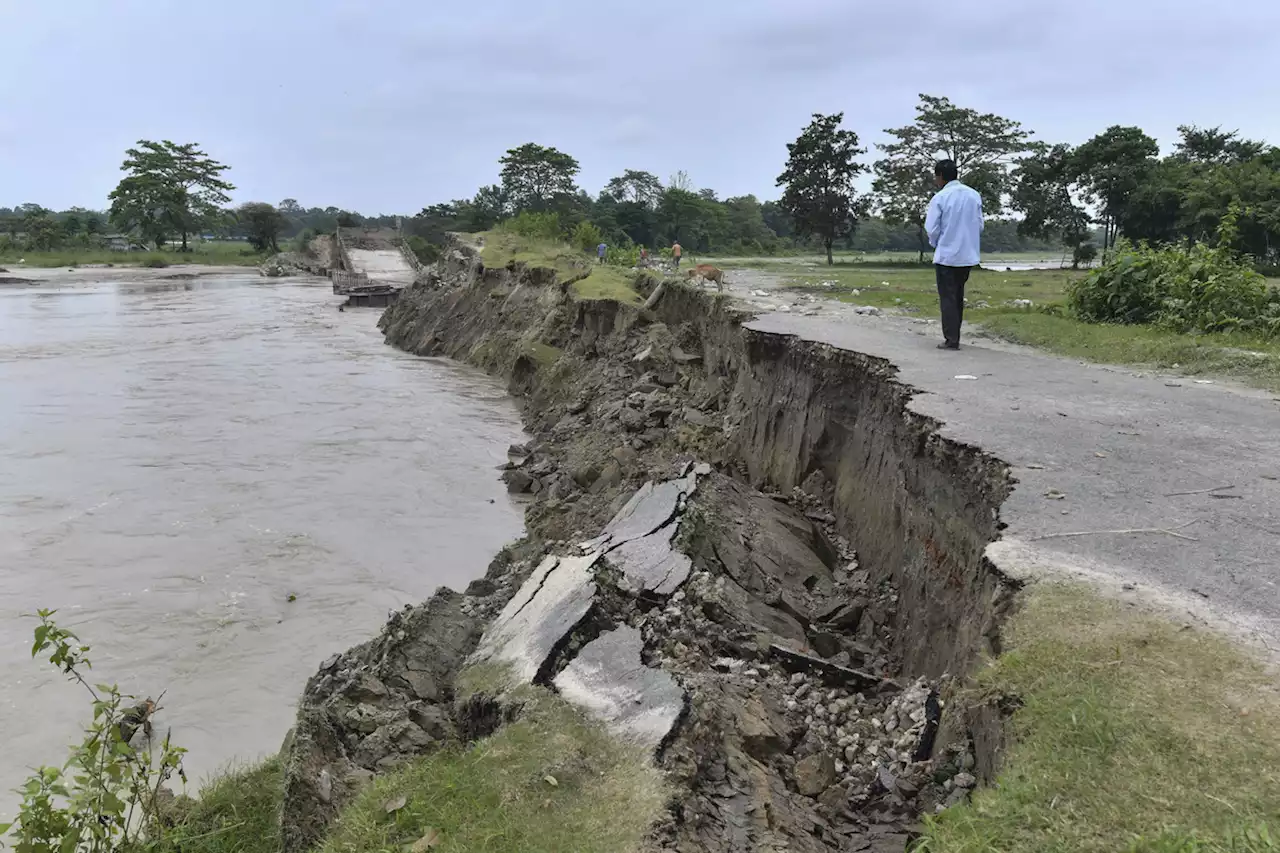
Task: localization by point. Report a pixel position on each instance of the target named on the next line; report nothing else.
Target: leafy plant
(1195, 288)
(539, 226)
(103, 798)
(585, 237)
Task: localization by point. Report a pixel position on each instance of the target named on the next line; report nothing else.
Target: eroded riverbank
(181, 451)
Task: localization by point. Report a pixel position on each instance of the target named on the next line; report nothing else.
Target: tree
(821, 168)
(170, 189)
(43, 232)
(902, 192)
(1045, 191)
(1214, 145)
(635, 186)
(1110, 168)
(532, 175)
(262, 224)
(678, 212)
(290, 207)
(983, 146)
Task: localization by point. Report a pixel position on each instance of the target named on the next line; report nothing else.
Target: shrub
(425, 251)
(585, 237)
(539, 226)
(623, 256)
(107, 792)
(155, 262)
(1083, 253)
(1184, 288)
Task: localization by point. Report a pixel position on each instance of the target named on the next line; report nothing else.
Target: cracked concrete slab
(652, 563)
(638, 703)
(651, 507)
(548, 606)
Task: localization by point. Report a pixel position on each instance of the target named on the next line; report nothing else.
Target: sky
(387, 106)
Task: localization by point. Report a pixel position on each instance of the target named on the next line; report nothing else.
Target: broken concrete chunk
(608, 680)
(651, 507)
(652, 563)
(552, 601)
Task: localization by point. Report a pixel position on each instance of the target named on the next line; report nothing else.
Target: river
(180, 456)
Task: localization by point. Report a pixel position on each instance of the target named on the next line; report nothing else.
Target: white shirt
(954, 226)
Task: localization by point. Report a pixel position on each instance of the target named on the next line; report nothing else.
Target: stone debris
(733, 632)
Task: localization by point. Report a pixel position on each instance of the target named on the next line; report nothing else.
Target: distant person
(676, 252)
(600, 253)
(954, 226)
(644, 257)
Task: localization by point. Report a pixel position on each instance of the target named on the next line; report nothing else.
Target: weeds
(103, 798)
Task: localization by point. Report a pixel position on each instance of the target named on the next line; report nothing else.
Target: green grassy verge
(991, 294)
(552, 781)
(1134, 734)
(602, 282)
(238, 812)
(1238, 357)
(606, 282)
(214, 254)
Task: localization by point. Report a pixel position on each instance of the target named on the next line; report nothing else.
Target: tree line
(834, 193)
(1036, 195)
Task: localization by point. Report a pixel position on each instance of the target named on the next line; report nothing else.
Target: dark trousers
(951, 281)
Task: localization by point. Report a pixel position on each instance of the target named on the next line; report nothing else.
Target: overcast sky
(390, 105)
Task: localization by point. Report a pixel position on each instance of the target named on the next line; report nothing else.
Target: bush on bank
(1182, 288)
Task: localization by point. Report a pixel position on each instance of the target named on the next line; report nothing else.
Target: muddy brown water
(179, 456)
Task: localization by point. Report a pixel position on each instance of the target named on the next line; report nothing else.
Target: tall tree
(170, 189)
(262, 224)
(636, 186)
(901, 192)
(678, 214)
(532, 175)
(983, 146)
(1110, 168)
(1215, 145)
(1045, 193)
(821, 168)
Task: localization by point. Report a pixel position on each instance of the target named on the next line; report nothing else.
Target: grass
(1238, 357)
(1134, 734)
(602, 282)
(503, 247)
(213, 253)
(990, 293)
(846, 259)
(238, 812)
(606, 282)
(551, 782)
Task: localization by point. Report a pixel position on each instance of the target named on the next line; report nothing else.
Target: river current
(218, 481)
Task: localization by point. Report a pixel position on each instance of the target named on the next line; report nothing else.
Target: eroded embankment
(782, 613)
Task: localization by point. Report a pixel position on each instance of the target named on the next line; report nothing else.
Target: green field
(1045, 324)
(845, 259)
(1133, 734)
(211, 253)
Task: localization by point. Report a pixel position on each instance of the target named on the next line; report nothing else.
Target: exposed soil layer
(810, 596)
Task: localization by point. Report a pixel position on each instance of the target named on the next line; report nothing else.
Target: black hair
(946, 169)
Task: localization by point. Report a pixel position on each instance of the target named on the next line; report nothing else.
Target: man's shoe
(945, 345)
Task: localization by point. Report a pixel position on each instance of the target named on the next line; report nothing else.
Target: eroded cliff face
(805, 599)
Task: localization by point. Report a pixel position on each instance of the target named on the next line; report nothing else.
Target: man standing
(675, 254)
(601, 250)
(954, 226)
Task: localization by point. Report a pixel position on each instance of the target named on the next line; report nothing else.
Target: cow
(707, 272)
